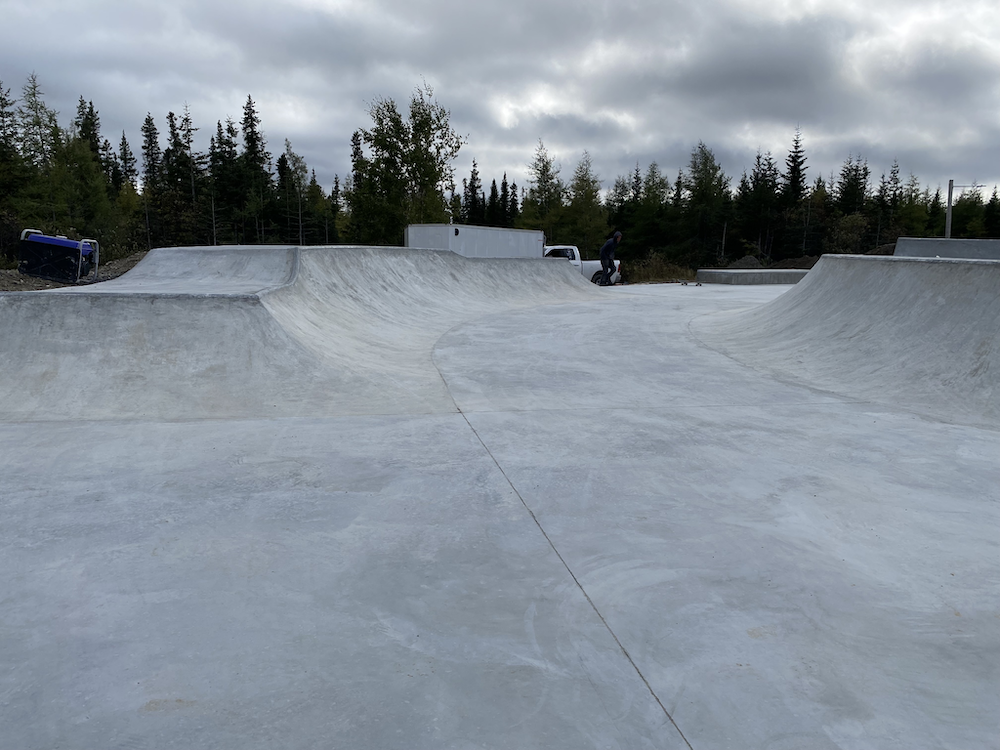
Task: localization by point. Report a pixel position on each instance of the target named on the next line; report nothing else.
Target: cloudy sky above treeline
(632, 81)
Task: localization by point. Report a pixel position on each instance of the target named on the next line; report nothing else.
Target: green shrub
(655, 269)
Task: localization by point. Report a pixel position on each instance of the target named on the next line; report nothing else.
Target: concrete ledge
(751, 275)
(939, 247)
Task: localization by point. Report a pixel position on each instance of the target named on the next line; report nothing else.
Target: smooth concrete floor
(625, 539)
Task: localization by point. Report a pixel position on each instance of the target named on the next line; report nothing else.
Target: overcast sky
(628, 81)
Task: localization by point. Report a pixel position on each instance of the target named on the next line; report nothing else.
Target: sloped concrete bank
(916, 332)
(257, 332)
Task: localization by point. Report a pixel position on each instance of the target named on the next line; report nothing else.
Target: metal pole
(947, 216)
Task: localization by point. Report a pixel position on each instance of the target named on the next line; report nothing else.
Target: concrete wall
(750, 275)
(939, 247)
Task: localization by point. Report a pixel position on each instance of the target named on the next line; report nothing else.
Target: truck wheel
(596, 278)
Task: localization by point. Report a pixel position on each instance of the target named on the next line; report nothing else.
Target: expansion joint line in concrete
(576, 580)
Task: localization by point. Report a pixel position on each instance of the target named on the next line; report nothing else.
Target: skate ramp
(257, 332)
(917, 333)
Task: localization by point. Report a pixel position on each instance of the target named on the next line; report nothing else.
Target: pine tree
(936, 215)
(454, 204)
(37, 125)
(636, 187)
(88, 126)
(649, 229)
(708, 200)
(513, 209)
(547, 190)
(991, 216)
(542, 206)
(127, 161)
(226, 185)
(473, 202)
(112, 167)
(8, 120)
(763, 205)
(584, 219)
(619, 204)
(494, 215)
(292, 185)
(152, 169)
(152, 156)
(178, 197)
(852, 189)
(13, 175)
(256, 183)
(195, 162)
(333, 228)
(793, 181)
(504, 202)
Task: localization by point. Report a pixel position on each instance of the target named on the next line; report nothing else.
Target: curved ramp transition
(257, 331)
(921, 333)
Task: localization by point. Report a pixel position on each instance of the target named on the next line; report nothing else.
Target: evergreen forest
(69, 179)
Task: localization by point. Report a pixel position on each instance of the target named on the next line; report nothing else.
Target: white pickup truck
(591, 269)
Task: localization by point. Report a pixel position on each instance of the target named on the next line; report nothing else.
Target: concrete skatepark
(360, 497)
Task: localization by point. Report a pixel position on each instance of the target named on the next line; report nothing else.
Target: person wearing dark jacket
(608, 258)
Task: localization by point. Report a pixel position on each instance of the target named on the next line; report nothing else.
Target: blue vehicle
(57, 258)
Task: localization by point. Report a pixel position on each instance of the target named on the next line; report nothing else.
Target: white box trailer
(477, 242)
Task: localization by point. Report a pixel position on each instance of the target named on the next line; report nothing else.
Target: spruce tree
(473, 203)
(513, 209)
(991, 216)
(584, 218)
(852, 189)
(793, 181)
(37, 125)
(256, 183)
(333, 228)
(505, 202)
(13, 175)
(112, 167)
(225, 184)
(88, 126)
(542, 206)
(8, 120)
(707, 205)
(494, 215)
(152, 168)
(127, 161)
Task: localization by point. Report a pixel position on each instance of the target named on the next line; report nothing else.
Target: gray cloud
(627, 81)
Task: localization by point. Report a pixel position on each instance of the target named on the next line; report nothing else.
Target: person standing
(608, 258)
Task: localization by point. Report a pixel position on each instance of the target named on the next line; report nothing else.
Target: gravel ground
(12, 281)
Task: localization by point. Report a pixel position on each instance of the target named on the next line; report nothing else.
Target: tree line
(72, 180)
(773, 214)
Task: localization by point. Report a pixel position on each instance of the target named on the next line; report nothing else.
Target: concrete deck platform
(939, 247)
(564, 541)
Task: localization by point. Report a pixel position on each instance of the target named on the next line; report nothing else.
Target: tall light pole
(947, 216)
